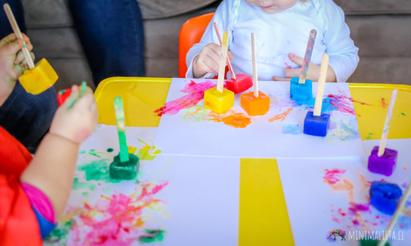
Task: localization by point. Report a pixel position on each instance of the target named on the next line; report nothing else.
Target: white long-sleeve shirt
(279, 34)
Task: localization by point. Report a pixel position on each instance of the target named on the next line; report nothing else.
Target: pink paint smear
(195, 93)
(332, 176)
(342, 103)
(115, 220)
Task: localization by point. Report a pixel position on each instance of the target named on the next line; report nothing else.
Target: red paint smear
(195, 93)
(281, 117)
(116, 220)
(332, 176)
(383, 103)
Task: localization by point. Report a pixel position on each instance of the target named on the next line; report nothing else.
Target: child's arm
(52, 168)
(340, 47)
(202, 59)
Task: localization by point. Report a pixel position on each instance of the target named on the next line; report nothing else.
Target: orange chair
(191, 32)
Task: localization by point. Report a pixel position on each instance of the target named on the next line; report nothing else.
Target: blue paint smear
(404, 222)
(293, 129)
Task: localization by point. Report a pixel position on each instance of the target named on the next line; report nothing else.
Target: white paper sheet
(315, 208)
(185, 134)
(195, 201)
(202, 199)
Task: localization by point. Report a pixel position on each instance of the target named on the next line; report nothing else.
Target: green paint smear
(60, 233)
(77, 185)
(99, 170)
(96, 170)
(152, 236)
(403, 114)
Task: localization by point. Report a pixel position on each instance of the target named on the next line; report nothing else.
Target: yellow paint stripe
(263, 211)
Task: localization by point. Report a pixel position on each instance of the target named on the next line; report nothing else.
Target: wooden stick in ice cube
(121, 128)
(228, 59)
(383, 141)
(222, 63)
(396, 215)
(321, 85)
(307, 56)
(16, 30)
(254, 63)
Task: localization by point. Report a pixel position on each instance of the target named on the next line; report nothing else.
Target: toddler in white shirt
(282, 29)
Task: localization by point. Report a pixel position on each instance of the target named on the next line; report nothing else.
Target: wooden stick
(121, 128)
(223, 61)
(321, 85)
(16, 30)
(383, 141)
(396, 216)
(307, 56)
(228, 59)
(254, 63)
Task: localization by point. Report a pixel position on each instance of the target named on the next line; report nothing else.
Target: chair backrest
(190, 33)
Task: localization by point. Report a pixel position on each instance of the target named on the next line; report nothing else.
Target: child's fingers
(19, 58)
(84, 102)
(296, 59)
(73, 96)
(18, 70)
(28, 42)
(212, 64)
(11, 48)
(292, 72)
(8, 39)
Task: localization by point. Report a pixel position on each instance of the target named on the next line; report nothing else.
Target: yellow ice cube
(217, 101)
(40, 78)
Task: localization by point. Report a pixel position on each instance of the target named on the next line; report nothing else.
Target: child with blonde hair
(282, 28)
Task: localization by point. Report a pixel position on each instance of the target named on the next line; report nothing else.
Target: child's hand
(208, 60)
(11, 63)
(78, 122)
(313, 71)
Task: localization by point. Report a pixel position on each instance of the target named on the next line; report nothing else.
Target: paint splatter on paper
(233, 119)
(148, 152)
(342, 103)
(333, 176)
(280, 117)
(293, 129)
(344, 129)
(356, 215)
(195, 93)
(115, 219)
(103, 211)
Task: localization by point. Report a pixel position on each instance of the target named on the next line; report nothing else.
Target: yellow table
(143, 95)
